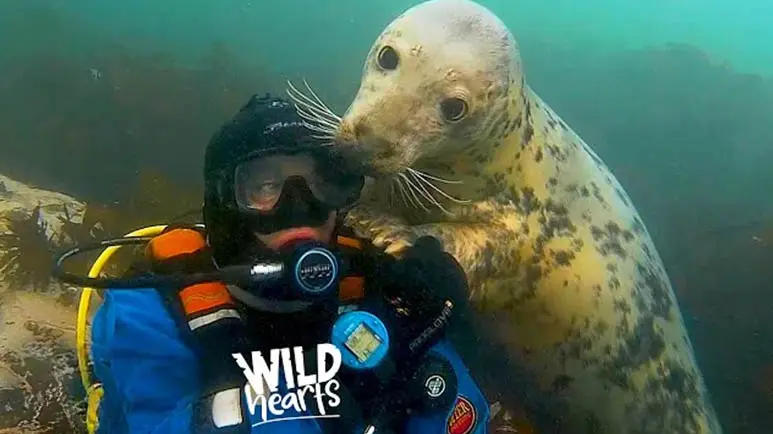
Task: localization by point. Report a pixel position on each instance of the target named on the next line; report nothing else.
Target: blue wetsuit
(150, 376)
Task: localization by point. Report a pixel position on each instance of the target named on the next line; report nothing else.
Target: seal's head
(434, 84)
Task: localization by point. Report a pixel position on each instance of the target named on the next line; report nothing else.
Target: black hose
(136, 282)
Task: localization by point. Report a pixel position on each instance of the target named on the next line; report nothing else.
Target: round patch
(435, 386)
(463, 417)
(316, 270)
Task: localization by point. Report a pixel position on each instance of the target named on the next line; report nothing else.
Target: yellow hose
(95, 392)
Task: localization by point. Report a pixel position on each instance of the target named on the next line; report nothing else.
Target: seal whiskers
(425, 178)
(401, 189)
(414, 183)
(412, 189)
(435, 178)
(318, 115)
(426, 194)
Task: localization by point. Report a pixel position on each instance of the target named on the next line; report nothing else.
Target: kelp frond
(27, 253)
(153, 200)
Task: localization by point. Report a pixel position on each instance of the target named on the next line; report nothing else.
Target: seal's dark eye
(387, 58)
(453, 109)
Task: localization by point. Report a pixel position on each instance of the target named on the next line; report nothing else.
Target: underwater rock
(40, 389)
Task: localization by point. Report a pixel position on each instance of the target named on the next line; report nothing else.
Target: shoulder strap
(202, 303)
(352, 286)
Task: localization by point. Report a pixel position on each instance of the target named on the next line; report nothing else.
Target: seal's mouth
(373, 158)
(355, 156)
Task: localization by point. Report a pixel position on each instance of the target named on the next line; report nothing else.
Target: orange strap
(196, 298)
(204, 297)
(175, 242)
(349, 242)
(351, 288)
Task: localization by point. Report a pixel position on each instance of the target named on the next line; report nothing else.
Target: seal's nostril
(350, 132)
(361, 129)
(344, 132)
(387, 152)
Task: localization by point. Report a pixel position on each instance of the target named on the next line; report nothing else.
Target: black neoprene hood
(263, 125)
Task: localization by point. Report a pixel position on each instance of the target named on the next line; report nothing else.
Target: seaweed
(153, 200)
(27, 252)
(77, 233)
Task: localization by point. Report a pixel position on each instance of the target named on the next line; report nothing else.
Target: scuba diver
(165, 339)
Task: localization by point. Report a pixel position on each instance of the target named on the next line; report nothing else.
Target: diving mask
(286, 190)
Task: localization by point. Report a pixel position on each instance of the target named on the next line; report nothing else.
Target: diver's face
(322, 234)
(267, 184)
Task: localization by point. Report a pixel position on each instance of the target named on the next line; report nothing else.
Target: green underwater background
(113, 104)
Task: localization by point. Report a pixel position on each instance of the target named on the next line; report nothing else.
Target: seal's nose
(353, 131)
(349, 146)
(361, 130)
(346, 133)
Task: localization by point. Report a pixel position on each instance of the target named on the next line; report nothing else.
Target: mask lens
(258, 185)
(261, 182)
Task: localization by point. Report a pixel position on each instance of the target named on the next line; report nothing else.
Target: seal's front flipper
(477, 247)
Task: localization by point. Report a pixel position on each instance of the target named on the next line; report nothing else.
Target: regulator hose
(232, 274)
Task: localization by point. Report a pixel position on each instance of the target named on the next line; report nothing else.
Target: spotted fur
(557, 256)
